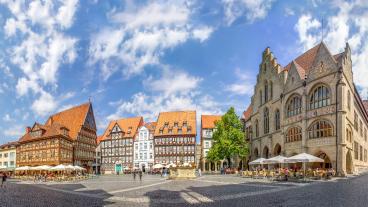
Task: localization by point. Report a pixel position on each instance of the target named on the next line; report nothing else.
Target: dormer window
(185, 123)
(180, 130)
(65, 131)
(176, 124)
(166, 124)
(161, 131)
(37, 133)
(170, 131)
(189, 129)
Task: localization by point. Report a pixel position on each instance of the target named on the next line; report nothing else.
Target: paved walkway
(156, 191)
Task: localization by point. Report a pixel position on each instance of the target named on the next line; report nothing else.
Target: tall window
(260, 97)
(266, 121)
(361, 128)
(277, 119)
(294, 106)
(320, 97)
(294, 134)
(271, 90)
(349, 100)
(266, 91)
(256, 128)
(348, 135)
(355, 121)
(320, 129)
(361, 153)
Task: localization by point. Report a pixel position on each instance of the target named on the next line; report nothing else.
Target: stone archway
(256, 154)
(327, 162)
(265, 152)
(277, 149)
(349, 163)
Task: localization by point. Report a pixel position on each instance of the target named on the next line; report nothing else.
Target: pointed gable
(129, 127)
(209, 121)
(74, 118)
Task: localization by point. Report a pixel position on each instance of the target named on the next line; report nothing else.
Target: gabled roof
(129, 127)
(208, 121)
(99, 139)
(51, 130)
(151, 126)
(72, 118)
(247, 113)
(9, 144)
(167, 120)
(304, 61)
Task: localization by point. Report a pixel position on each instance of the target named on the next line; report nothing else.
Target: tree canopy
(228, 138)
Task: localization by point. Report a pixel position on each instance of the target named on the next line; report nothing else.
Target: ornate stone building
(175, 137)
(310, 105)
(207, 128)
(117, 144)
(68, 137)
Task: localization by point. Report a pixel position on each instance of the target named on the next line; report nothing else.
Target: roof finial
(89, 99)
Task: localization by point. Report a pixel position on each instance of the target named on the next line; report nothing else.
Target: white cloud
(7, 118)
(202, 33)
(14, 131)
(244, 84)
(180, 92)
(140, 35)
(289, 11)
(44, 105)
(349, 24)
(250, 9)
(43, 46)
(173, 82)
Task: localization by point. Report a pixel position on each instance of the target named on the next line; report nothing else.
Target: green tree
(229, 140)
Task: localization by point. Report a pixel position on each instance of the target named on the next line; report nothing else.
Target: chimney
(28, 129)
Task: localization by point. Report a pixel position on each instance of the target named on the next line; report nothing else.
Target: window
(320, 97)
(294, 106)
(266, 91)
(365, 134)
(189, 129)
(348, 135)
(271, 90)
(260, 97)
(320, 129)
(294, 134)
(355, 121)
(361, 128)
(266, 123)
(361, 152)
(207, 144)
(170, 130)
(256, 128)
(349, 100)
(277, 119)
(365, 155)
(185, 124)
(356, 150)
(176, 124)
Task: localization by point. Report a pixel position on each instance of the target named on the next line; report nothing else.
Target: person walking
(3, 180)
(140, 175)
(134, 174)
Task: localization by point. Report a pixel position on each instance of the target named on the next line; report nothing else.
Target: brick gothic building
(117, 144)
(311, 105)
(68, 137)
(175, 137)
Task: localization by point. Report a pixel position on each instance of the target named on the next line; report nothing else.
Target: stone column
(216, 166)
(304, 115)
(340, 127)
(204, 165)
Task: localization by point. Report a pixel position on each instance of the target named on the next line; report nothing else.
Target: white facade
(143, 149)
(8, 157)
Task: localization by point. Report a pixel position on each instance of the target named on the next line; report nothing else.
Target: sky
(137, 58)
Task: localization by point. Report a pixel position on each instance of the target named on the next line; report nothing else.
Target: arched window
(349, 100)
(256, 128)
(260, 97)
(266, 121)
(277, 119)
(294, 134)
(320, 97)
(294, 106)
(319, 129)
(266, 91)
(271, 90)
(256, 152)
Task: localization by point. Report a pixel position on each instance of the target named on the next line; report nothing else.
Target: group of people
(139, 172)
(3, 177)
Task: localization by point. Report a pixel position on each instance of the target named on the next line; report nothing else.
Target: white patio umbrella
(171, 165)
(24, 168)
(303, 158)
(158, 166)
(79, 168)
(258, 161)
(42, 167)
(58, 168)
(275, 160)
(70, 168)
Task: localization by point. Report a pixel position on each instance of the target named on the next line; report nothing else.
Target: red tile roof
(151, 126)
(168, 120)
(51, 130)
(99, 139)
(129, 126)
(247, 113)
(9, 144)
(208, 121)
(72, 118)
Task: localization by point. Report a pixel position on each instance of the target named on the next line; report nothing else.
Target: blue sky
(142, 57)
